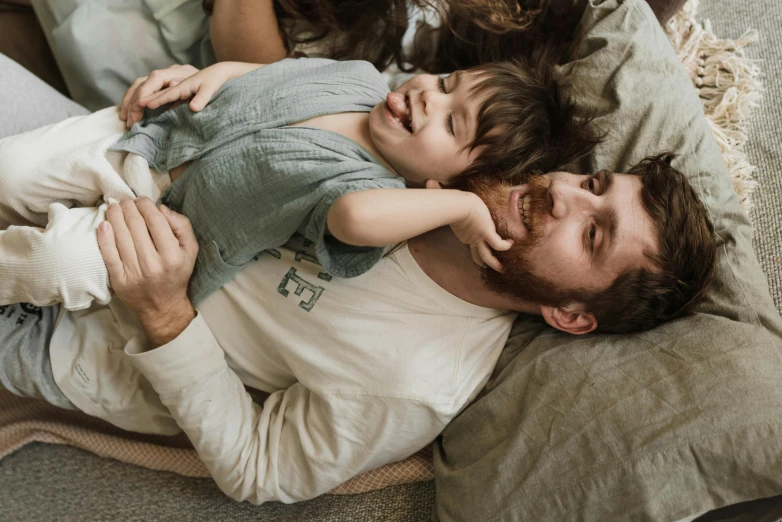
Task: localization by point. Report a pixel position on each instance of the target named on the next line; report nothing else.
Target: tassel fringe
(729, 87)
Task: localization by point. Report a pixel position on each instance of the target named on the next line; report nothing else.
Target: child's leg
(63, 163)
(59, 177)
(61, 263)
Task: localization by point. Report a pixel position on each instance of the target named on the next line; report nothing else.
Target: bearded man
(359, 372)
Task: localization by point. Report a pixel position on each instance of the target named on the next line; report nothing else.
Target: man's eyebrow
(613, 224)
(606, 179)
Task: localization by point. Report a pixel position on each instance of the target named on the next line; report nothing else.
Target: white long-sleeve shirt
(361, 372)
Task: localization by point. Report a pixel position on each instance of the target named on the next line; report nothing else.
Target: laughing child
(308, 146)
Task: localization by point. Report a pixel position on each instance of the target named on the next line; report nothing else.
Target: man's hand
(477, 230)
(150, 254)
(130, 111)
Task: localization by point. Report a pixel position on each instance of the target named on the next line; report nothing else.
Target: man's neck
(448, 263)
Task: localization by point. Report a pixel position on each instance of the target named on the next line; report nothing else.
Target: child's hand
(130, 111)
(201, 87)
(477, 230)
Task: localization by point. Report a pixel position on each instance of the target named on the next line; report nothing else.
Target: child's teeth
(407, 112)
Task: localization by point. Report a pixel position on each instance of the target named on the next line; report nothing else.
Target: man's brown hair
(526, 122)
(683, 268)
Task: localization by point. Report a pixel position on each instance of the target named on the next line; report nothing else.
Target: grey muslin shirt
(254, 181)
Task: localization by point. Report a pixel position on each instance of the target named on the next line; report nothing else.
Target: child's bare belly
(177, 171)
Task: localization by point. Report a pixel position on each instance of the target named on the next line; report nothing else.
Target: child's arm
(381, 217)
(201, 86)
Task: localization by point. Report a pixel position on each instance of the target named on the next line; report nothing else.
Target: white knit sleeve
(298, 444)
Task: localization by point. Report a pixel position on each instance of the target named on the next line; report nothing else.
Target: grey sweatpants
(27, 103)
(25, 367)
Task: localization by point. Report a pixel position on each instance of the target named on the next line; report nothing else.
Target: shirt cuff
(191, 356)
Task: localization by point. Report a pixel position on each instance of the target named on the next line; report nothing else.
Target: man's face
(423, 128)
(571, 232)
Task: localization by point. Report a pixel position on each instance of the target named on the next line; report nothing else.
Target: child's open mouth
(398, 106)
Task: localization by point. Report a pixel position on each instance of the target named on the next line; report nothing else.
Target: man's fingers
(145, 248)
(163, 237)
(108, 249)
(183, 231)
(122, 237)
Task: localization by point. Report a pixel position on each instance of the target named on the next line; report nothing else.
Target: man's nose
(568, 199)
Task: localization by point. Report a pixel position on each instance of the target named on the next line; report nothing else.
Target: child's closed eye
(449, 124)
(449, 118)
(441, 84)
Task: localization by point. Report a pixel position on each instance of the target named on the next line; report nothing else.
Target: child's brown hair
(526, 122)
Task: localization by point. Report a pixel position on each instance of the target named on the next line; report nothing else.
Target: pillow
(102, 46)
(659, 425)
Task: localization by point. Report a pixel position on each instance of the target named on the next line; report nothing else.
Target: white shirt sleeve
(296, 446)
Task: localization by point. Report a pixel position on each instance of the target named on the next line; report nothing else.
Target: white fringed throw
(729, 87)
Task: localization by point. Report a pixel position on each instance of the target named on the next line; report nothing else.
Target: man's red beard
(518, 281)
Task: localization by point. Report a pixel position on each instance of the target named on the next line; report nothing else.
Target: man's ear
(433, 184)
(571, 318)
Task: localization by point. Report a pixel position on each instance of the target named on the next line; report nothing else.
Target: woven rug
(729, 88)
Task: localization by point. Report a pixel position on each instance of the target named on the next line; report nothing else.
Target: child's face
(423, 127)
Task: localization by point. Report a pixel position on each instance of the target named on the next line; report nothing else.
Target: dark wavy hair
(473, 32)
